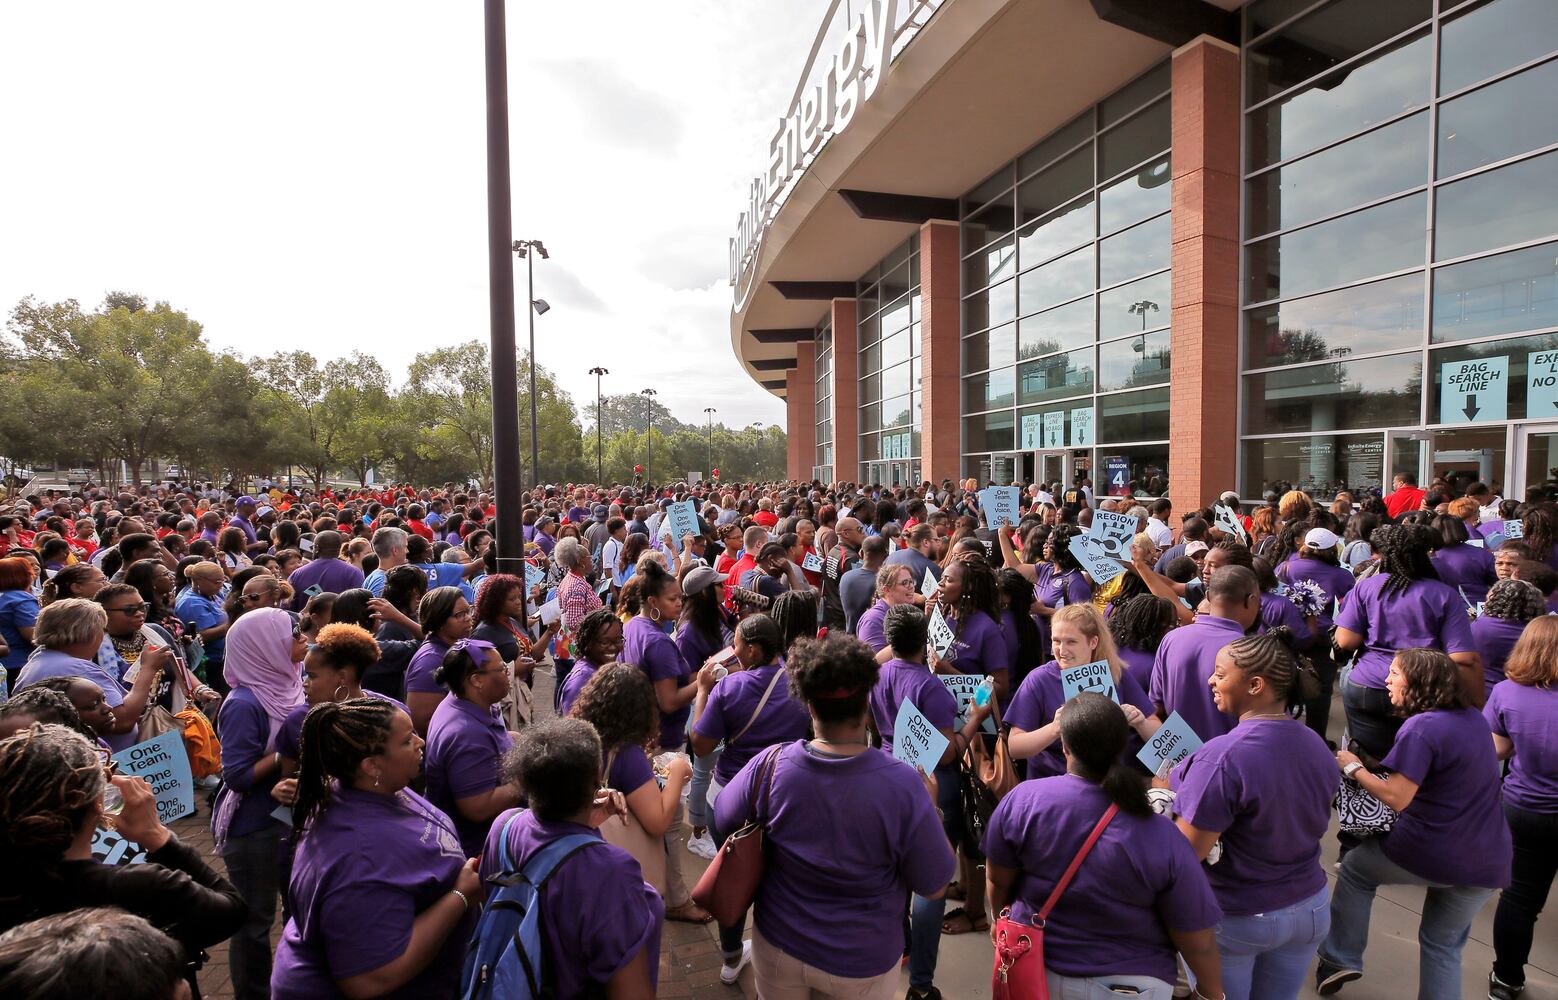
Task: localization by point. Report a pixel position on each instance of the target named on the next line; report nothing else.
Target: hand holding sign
(1227, 521)
(915, 741)
(1172, 743)
(928, 584)
(1001, 503)
(680, 521)
(1112, 533)
(1096, 677)
(941, 637)
(1099, 566)
(164, 763)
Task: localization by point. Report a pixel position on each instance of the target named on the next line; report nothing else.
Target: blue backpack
(506, 956)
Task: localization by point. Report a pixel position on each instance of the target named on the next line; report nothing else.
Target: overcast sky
(312, 176)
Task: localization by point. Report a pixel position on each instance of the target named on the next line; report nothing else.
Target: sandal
(689, 913)
(955, 892)
(960, 921)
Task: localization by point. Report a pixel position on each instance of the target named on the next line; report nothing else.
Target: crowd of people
(368, 668)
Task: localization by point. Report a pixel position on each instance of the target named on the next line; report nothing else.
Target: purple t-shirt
(1056, 590)
(869, 629)
(578, 676)
(653, 652)
(730, 706)
(849, 838)
(334, 576)
(1495, 639)
(1427, 614)
(899, 681)
(1528, 717)
(609, 913)
(630, 769)
(465, 748)
(1266, 788)
(1186, 658)
(1038, 698)
(290, 736)
(977, 646)
(1140, 879)
(1278, 610)
(1453, 832)
(424, 665)
(1335, 581)
(1138, 663)
(1466, 567)
(245, 730)
(44, 663)
(355, 897)
(695, 646)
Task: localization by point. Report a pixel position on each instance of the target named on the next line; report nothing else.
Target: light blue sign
(680, 521)
(1055, 429)
(1082, 427)
(1113, 533)
(1095, 560)
(1172, 743)
(164, 764)
(534, 576)
(1514, 529)
(1474, 390)
(962, 688)
(1001, 503)
(915, 741)
(1541, 385)
(1032, 427)
(1095, 677)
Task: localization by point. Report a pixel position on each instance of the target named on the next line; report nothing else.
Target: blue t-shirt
(18, 610)
(205, 612)
(438, 575)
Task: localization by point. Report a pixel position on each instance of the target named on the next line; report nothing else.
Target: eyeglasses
(132, 610)
(252, 598)
(460, 614)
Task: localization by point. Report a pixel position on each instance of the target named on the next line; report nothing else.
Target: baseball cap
(245, 500)
(1195, 548)
(699, 579)
(264, 510)
(1230, 497)
(1321, 538)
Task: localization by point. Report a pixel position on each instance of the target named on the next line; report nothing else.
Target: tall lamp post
(649, 429)
(600, 467)
(538, 307)
(709, 454)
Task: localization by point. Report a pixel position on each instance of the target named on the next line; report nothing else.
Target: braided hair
(337, 737)
(794, 612)
(1271, 655)
(591, 628)
(1141, 622)
(43, 702)
(51, 780)
(1019, 600)
(980, 592)
(1515, 600)
(1403, 555)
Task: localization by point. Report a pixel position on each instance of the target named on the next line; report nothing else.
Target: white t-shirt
(1161, 534)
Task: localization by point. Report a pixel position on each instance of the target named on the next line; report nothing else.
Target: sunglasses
(252, 598)
(132, 609)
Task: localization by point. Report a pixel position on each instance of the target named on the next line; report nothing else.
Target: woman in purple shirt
(604, 939)
(1138, 898)
(466, 741)
(1510, 605)
(1466, 567)
(1522, 711)
(1404, 606)
(851, 832)
(1059, 580)
(1264, 791)
(1317, 562)
(1449, 834)
(1137, 627)
(971, 604)
(894, 586)
(332, 671)
(700, 634)
(750, 710)
(386, 915)
(446, 617)
(646, 646)
(598, 642)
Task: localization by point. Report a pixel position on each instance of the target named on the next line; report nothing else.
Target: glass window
(1059, 329)
(1378, 240)
(1062, 139)
(1136, 471)
(1136, 251)
(1500, 120)
(894, 350)
(1476, 452)
(1373, 392)
(990, 391)
(1267, 14)
(871, 388)
(1045, 192)
(994, 262)
(895, 381)
(1321, 466)
(1375, 317)
(1140, 305)
(871, 358)
(867, 330)
(990, 432)
(895, 283)
(1517, 355)
(1506, 293)
(997, 183)
(867, 300)
(1382, 162)
(1134, 362)
(1341, 103)
(897, 411)
(1133, 95)
(1134, 140)
(870, 446)
(1319, 41)
(1509, 205)
(995, 218)
(1493, 37)
(991, 349)
(895, 317)
(870, 417)
(1044, 238)
(1135, 196)
(1055, 377)
(1134, 416)
(1057, 281)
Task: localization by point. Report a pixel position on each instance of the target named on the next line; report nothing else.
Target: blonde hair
(203, 570)
(1464, 507)
(68, 622)
(1088, 620)
(1534, 660)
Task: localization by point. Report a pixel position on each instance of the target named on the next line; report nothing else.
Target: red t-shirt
(766, 518)
(1405, 499)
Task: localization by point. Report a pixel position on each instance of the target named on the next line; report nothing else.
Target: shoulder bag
(778, 676)
(629, 834)
(729, 885)
(1019, 947)
(1359, 812)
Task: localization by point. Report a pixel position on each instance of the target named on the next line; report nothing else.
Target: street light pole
(649, 423)
(600, 467)
(709, 454)
(537, 307)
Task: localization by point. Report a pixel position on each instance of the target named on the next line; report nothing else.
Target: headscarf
(259, 657)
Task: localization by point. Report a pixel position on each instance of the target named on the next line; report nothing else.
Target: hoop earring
(654, 614)
(336, 695)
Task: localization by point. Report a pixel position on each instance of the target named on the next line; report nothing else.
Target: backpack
(505, 958)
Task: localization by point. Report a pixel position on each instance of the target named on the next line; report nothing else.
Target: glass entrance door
(1053, 467)
(1011, 467)
(1538, 456)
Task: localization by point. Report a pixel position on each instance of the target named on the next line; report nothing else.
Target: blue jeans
(1267, 955)
(1447, 916)
(253, 864)
(925, 915)
(698, 811)
(1105, 987)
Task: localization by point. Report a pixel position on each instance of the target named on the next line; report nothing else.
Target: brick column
(941, 362)
(846, 391)
(800, 400)
(1204, 336)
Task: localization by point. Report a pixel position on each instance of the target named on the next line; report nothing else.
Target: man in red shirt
(1404, 496)
(752, 542)
(765, 514)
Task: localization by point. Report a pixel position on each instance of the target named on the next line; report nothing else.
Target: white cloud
(314, 176)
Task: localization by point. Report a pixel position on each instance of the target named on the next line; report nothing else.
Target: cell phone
(314, 591)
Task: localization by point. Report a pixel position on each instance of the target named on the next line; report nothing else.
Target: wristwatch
(1352, 769)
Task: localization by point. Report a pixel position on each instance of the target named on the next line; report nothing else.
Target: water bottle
(983, 691)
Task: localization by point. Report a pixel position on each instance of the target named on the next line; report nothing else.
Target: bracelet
(463, 899)
(1201, 996)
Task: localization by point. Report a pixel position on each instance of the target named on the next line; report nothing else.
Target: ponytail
(337, 737)
(1094, 732)
(1271, 656)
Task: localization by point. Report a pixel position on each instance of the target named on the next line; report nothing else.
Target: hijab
(259, 657)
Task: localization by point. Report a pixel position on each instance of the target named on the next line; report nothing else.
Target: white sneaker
(728, 974)
(702, 846)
